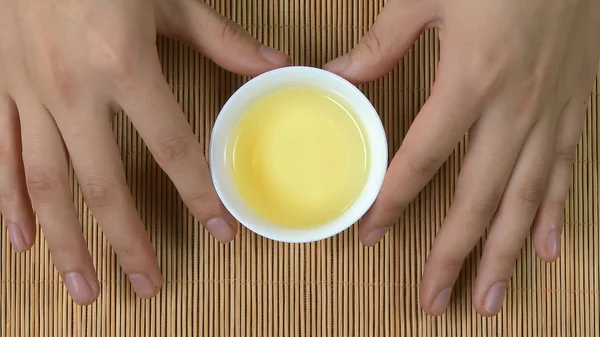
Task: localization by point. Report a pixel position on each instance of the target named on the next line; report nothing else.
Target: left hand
(65, 68)
(516, 74)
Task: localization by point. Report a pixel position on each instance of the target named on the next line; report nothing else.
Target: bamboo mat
(256, 287)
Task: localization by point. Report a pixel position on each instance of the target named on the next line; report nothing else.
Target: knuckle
(6, 198)
(485, 204)
(420, 164)
(113, 57)
(530, 193)
(558, 204)
(530, 99)
(486, 71)
(98, 192)
(64, 250)
(450, 264)
(372, 43)
(505, 258)
(173, 150)
(229, 30)
(134, 250)
(203, 204)
(63, 79)
(4, 153)
(42, 183)
(58, 72)
(6, 157)
(566, 154)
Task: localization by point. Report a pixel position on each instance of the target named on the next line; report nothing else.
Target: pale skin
(65, 68)
(515, 73)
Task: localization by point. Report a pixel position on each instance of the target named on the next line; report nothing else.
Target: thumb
(226, 43)
(397, 27)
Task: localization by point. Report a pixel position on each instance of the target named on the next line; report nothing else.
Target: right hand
(65, 68)
(515, 75)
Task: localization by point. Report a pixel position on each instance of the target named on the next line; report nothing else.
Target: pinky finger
(547, 226)
(14, 199)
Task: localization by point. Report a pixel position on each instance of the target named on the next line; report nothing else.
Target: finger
(220, 39)
(46, 173)
(97, 164)
(14, 199)
(159, 120)
(397, 27)
(493, 150)
(579, 75)
(512, 221)
(444, 120)
(548, 223)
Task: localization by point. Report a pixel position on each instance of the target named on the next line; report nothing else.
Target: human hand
(65, 68)
(517, 75)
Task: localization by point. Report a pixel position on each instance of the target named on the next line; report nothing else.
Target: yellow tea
(298, 157)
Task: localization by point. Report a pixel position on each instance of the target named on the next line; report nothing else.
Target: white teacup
(255, 89)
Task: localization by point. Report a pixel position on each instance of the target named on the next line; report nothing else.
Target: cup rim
(367, 116)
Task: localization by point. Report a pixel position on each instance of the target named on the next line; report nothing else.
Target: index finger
(444, 119)
(157, 116)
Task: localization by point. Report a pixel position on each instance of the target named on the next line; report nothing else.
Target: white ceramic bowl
(257, 88)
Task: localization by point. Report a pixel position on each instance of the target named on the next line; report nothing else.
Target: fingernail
(495, 297)
(338, 65)
(553, 243)
(221, 229)
(375, 235)
(16, 237)
(274, 56)
(78, 288)
(441, 302)
(142, 285)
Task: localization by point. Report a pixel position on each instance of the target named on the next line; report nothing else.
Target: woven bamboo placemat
(256, 287)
